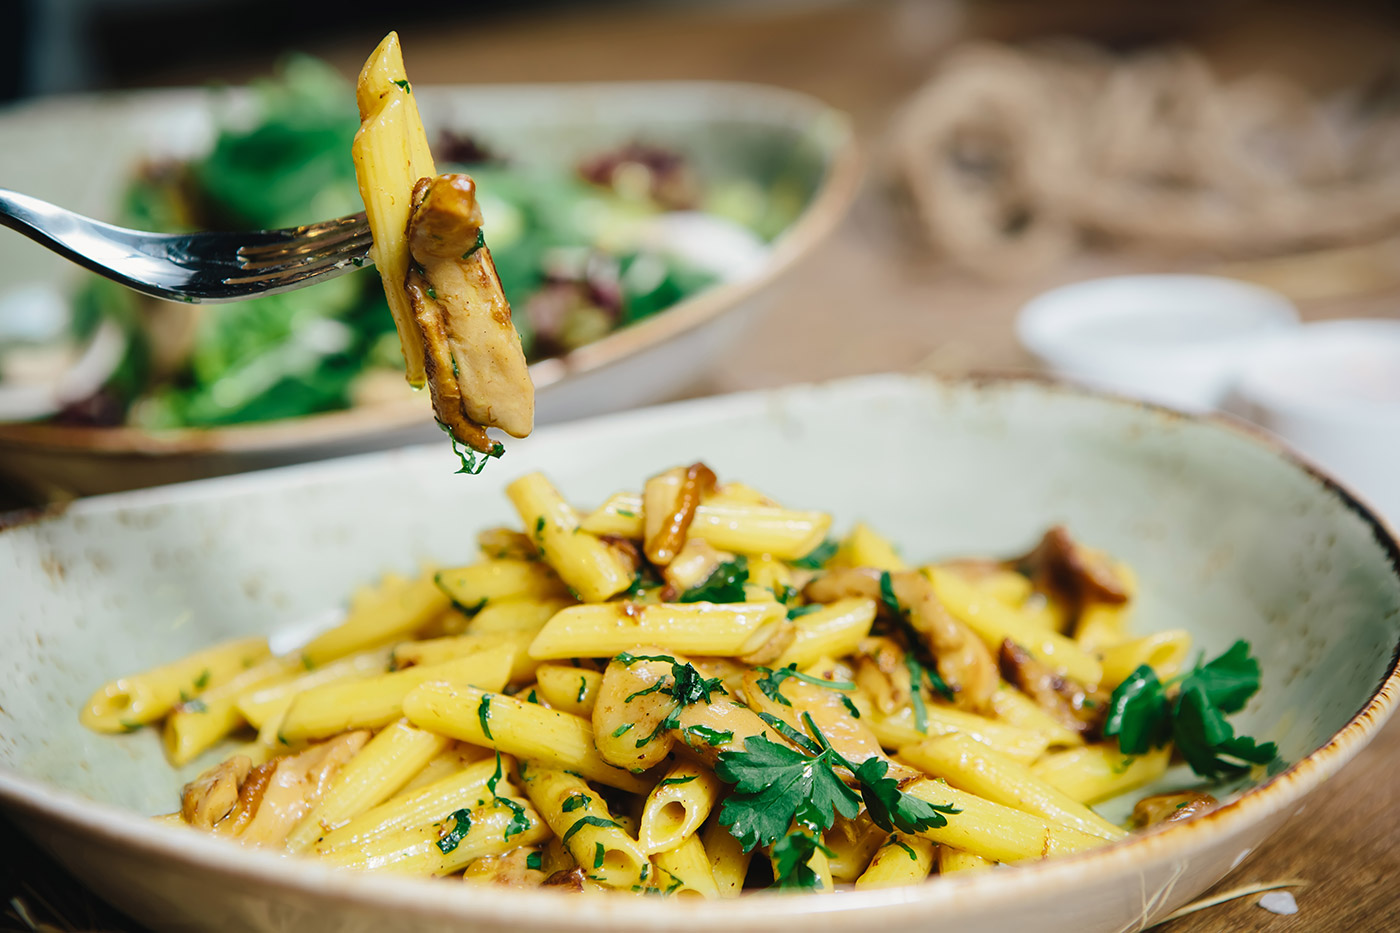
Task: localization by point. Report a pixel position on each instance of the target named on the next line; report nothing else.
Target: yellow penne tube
(391, 153)
(729, 863)
(420, 806)
(271, 700)
(521, 614)
(453, 647)
(443, 847)
(864, 547)
(994, 622)
(522, 729)
(581, 819)
(1164, 652)
(453, 760)
(604, 630)
(1014, 708)
(393, 611)
(994, 831)
(978, 769)
(477, 587)
(686, 868)
(197, 724)
(1094, 773)
(677, 806)
(568, 688)
(903, 859)
(854, 843)
(380, 769)
(899, 730)
(952, 860)
(130, 702)
(817, 863)
(590, 567)
(742, 527)
(832, 631)
(768, 572)
(377, 701)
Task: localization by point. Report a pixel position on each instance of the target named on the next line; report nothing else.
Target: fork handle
(79, 239)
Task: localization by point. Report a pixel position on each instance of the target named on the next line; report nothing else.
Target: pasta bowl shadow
(1231, 538)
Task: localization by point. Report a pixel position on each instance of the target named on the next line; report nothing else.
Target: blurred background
(1005, 148)
(961, 189)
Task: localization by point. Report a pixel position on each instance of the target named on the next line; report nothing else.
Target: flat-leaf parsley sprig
(1143, 715)
(776, 787)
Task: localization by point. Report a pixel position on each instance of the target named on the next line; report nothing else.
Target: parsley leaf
(893, 809)
(535, 860)
(772, 680)
(816, 558)
(519, 822)
(583, 821)
(574, 801)
(790, 857)
(667, 782)
(724, 585)
(483, 714)
(775, 785)
(710, 736)
(1142, 715)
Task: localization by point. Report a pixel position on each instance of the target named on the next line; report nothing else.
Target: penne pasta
(271, 700)
(518, 728)
(568, 688)
(832, 631)
(684, 870)
(978, 769)
(394, 610)
(380, 769)
(902, 859)
(454, 647)
(728, 524)
(1164, 652)
(591, 569)
(997, 832)
(729, 863)
(677, 806)
(1014, 708)
(580, 817)
(376, 701)
(478, 586)
(195, 725)
(719, 629)
(901, 729)
(130, 702)
(1095, 773)
(864, 547)
(952, 860)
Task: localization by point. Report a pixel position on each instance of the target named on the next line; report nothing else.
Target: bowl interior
(1230, 539)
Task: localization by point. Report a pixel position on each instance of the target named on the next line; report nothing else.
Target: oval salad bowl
(1230, 537)
(767, 146)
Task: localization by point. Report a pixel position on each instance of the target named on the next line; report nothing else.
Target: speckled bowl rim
(828, 205)
(611, 914)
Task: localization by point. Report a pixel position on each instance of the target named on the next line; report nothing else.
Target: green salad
(557, 236)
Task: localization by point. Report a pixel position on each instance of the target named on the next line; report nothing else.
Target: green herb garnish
(575, 801)
(725, 584)
(670, 781)
(816, 558)
(772, 680)
(583, 821)
(791, 855)
(1142, 715)
(535, 861)
(483, 713)
(461, 823)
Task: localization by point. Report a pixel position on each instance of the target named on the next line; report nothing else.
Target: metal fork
(194, 267)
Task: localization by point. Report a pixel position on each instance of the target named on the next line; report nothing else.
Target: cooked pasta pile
(692, 691)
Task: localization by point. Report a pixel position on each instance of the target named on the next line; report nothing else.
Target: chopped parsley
(772, 680)
(483, 713)
(582, 688)
(461, 823)
(473, 461)
(202, 680)
(775, 786)
(407, 89)
(797, 612)
(896, 841)
(1143, 716)
(627, 513)
(535, 861)
(575, 801)
(599, 853)
(725, 584)
(519, 822)
(622, 730)
(671, 781)
(816, 558)
(583, 821)
(480, 242)
(539, 527)
(710, 736)
(919, 668)
(684, 684)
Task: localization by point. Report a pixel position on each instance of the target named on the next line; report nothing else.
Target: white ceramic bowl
(1230, 537)
(90, 144)
(1332, 390)
(1177, 340)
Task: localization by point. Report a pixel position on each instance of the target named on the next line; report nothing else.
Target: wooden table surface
(875, 298)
